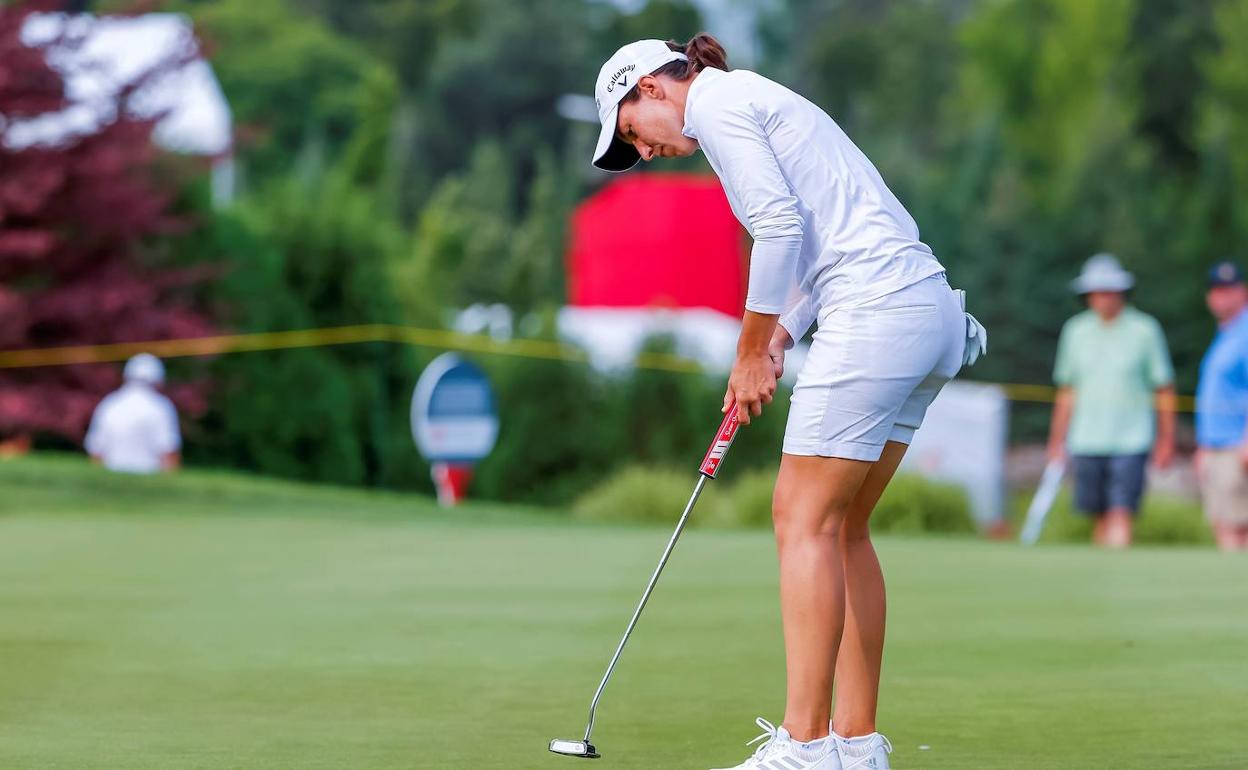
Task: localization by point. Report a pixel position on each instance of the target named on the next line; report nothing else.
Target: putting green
(210, 621)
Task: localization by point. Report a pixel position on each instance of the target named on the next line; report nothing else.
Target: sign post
(454, 422)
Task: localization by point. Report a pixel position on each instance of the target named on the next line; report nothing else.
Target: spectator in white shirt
(135, 428)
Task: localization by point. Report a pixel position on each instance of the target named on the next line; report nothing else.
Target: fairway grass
(215, 621)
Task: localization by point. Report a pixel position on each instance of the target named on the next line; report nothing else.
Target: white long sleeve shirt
(827, 230)
(133, 429)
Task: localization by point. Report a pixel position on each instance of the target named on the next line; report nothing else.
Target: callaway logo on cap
(616, 78)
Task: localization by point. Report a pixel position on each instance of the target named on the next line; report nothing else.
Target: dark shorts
(1103, 482)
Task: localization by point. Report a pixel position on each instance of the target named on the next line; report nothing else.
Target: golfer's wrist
(751, 347)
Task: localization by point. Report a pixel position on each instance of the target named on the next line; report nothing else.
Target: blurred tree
(537, 250)
(81, 224)
(1224, 124)
(557, 435)
(308, 244)
(1169, 39)
(1025, 135)
(884, 70)
(300, 92)
(462, 238)
(497, 83)
(312, 256)
(471, 246)
(676, 20)
(1045, 111)
(473, 71)
(1082, 148)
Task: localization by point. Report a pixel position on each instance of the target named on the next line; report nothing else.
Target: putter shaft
(645, 597)
(707, 471)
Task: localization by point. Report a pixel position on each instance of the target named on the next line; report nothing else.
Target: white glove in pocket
(976, 334)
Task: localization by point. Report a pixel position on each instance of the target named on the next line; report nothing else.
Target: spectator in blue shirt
(1222, 411)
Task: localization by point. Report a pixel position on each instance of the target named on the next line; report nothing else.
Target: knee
(796, 522)
(855, 530)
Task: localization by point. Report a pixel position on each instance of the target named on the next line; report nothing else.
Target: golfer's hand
(780, 342)
(752, 383)
(1198, 464)
(1056, 452)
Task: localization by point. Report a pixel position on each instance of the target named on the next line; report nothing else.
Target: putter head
(582, 749)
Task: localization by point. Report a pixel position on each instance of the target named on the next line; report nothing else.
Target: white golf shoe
(780, 752)
(869, 752)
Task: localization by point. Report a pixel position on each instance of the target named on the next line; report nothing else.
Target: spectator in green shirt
(1112, 372)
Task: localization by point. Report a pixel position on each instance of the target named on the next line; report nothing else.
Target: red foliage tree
(80, 221)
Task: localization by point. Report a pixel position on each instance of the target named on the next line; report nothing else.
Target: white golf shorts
(873, 370)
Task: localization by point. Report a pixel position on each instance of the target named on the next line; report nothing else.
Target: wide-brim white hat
(1102, 272)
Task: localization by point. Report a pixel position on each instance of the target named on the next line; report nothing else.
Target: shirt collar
(1238, 322)
(1113, 322)
(695, 90)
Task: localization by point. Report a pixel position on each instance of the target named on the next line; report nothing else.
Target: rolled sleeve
(798, 318)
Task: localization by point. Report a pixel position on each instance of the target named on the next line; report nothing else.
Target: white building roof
(114, 50)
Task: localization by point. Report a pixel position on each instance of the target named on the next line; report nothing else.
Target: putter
(707, 471)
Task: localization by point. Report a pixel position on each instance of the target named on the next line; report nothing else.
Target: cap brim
(611, 154)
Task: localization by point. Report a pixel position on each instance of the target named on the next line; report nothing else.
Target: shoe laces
(770, 738)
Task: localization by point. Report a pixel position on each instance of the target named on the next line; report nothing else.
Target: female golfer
(833, 245)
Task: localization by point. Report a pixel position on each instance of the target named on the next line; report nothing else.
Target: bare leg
(1227, 536)
(862, 644)
(813, 495)
(1118, 528)
(1098, 530)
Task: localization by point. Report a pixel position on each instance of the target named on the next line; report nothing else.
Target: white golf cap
(616, 78)
(1102, 273)
(145, 367)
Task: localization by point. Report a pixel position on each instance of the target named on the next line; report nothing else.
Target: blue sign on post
(454, 421)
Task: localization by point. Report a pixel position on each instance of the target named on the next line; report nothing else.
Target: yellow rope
(406, 335)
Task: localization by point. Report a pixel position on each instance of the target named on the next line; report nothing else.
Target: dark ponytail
(702, 51)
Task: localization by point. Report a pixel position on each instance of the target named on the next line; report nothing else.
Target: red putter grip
(723, 440)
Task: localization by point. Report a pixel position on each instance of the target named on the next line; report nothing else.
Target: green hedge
(745, 501)
(637, 494)
(910, 505)
(566, 427)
